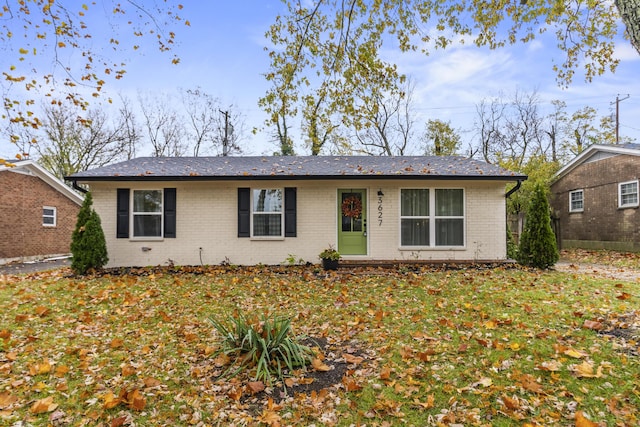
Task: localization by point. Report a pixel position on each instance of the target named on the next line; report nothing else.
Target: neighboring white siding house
(263, 210)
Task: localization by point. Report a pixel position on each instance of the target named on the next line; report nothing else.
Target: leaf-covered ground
(491, 347)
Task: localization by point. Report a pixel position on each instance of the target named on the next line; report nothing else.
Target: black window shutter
(244, 212)
(290, 212)
(122, 223)
(169, 212)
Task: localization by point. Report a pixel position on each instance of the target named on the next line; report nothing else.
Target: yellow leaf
(318, 365)
(7, 400)
(491, 324)
(582, 421)
(110, 400)
(43, 405)
(571, 352)
(585, 370)
(23, 51)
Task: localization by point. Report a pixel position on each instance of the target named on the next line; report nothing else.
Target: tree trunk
(630, 13)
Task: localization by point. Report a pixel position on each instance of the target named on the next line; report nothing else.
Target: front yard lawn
(492, 347)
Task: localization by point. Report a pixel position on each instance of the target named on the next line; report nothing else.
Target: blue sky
(223, 53)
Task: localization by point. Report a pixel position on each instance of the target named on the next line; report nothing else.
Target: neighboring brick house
(38, 213)
(265, 210)
(595, 199)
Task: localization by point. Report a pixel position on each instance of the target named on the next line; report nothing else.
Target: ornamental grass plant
(266, 346)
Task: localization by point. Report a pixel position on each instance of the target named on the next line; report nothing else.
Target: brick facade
(602, 224)
(22, 233)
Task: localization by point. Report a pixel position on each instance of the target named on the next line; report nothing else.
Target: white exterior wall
(207, 218)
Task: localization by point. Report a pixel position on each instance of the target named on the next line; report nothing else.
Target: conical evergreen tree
(538, 246)
(88, 244)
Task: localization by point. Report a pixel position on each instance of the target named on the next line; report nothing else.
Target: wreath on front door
(352, 207)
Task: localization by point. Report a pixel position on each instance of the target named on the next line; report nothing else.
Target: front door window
(351, 207)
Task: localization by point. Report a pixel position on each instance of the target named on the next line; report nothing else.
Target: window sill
(267, 238)
(432, 248)
(146, 239)
(628, 207)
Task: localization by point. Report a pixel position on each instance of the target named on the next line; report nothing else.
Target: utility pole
(618, 100)
(225, 141)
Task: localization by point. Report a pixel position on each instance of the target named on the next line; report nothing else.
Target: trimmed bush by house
(88, 244)
(538, 246)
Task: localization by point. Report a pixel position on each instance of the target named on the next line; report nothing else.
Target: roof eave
(509, 178)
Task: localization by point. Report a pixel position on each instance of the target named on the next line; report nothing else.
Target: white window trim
(571, 209)
(432, 219)
(55, 216)
(281, 236)
(628, 205)
(133, 214)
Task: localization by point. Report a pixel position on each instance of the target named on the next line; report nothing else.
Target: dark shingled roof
(296, 167)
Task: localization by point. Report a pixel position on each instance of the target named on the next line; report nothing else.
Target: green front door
(352, 222)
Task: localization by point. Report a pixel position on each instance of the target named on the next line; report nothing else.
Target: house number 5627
(380, 211)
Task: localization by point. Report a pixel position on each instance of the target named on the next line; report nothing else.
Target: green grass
(472, 347)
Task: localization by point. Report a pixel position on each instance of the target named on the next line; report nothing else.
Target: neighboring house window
(576, 201)
(146, 213)
(267, 212)
(432, 218)
(48, 216)
(628, 194)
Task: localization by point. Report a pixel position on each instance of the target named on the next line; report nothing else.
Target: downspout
(506, 196)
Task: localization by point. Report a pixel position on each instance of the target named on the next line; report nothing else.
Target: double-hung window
(147, 213)
(628, 194)
(432, 217)
(414, 217)
(576, 201)
(48, 216)
(267, 212)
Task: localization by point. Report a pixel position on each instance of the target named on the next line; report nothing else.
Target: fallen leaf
(318, 365)
(255, 386)
(571, 352)
(350, 384)
(352, 359)
(430, 403)
(151, 382)
(511, 403)
(43, 405)
(593, 325)
(552, 366)
(110, 400)
(385, 374)
(582, 421)
(7, 400)
(136, 400)
(585, 370)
